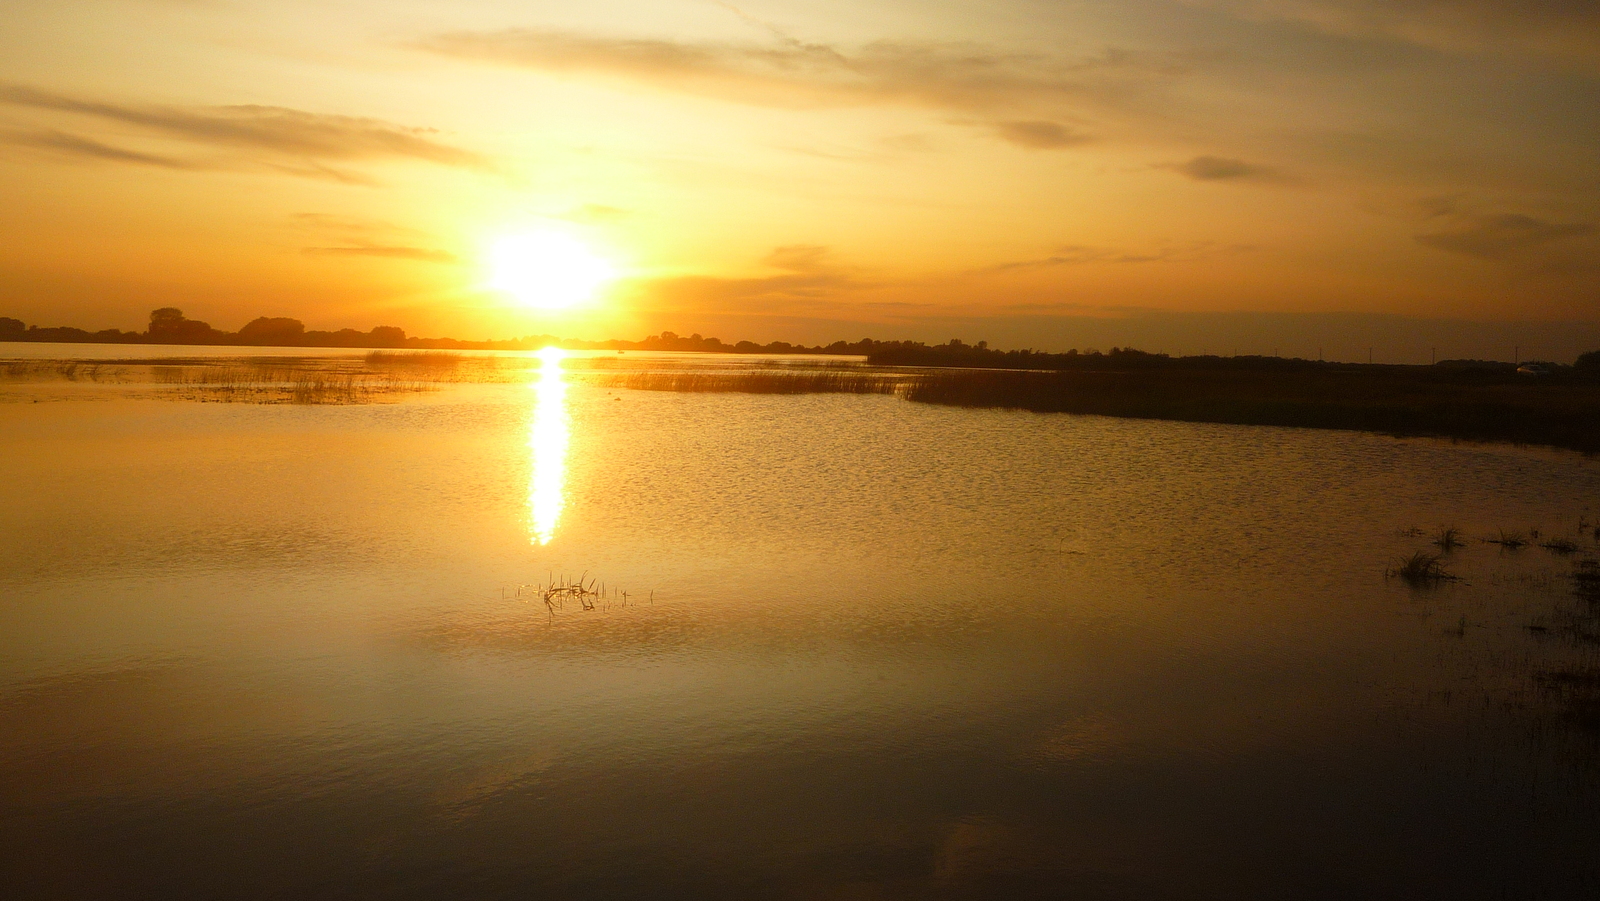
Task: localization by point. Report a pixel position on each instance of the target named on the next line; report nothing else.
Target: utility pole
(1433, 355)
(1369, 356)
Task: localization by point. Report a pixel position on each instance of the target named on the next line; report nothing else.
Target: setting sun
(547, 270)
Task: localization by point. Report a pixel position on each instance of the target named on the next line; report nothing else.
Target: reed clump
(1448, 538)
(282, 382)
(428, 360)
(1509, 540)
(761, 381)
(588, 593)
(61, 370)
(1422, 569)
(1560, 546)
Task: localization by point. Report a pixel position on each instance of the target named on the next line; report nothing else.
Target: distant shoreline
(1549, 404)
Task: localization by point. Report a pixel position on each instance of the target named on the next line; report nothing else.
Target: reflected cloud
(547, 440)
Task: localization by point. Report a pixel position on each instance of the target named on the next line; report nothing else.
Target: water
(870, 649)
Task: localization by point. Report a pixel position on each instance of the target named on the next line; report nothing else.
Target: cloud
(1039, 135)
(809, 280)
(312, 138)
(1079, 254)
(1565, 32)
(792, 74)
(798, 258)
(1502, 235)
(1216, 168)
(392, 252)
(75, 145)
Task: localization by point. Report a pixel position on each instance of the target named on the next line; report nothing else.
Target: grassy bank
(1379, 399)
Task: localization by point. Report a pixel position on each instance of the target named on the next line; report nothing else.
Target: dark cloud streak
(76, 145)
(296, 133)
(791, 74)
(1502, 235)
(422, 254)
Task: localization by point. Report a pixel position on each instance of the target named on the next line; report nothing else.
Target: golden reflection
(548, 440)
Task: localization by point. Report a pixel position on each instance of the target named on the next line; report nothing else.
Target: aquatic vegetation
(280, 381)
(587, 593)
(761, 381)
(1509, 540)
(1422, 569)
(67, 370)
(420, 360)
(1448, 539)
(1560, 546)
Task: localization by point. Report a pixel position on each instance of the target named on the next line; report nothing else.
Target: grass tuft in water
(1448, 538)
(1422, 569)
(1509, 540)
(767, 381)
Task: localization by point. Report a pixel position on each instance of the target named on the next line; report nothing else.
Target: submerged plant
(1448, 538)
(1512, 540)
(1560, 546)
(1422, 568)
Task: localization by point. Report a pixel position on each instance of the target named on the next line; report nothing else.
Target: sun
(547, 270)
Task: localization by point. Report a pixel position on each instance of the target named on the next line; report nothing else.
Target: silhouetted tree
(387, 336)
(278, 331)
(168, 326)
(12, 329)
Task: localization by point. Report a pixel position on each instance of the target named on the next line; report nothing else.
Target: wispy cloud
(1502, 235)
(1216, 168)
(422, 254)
(1039, 135)
(310, 140)
(78, 146)
(1079, 254)
(1566, 32)
(799, 258)
(788, 73)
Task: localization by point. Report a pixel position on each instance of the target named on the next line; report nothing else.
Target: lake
(838, 646)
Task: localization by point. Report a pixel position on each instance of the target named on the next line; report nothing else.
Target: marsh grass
(587, 593)
(1509, 540)
(1448, 538)
(1421, 569)
(760, 381)
(1560, 546)
(281, 381)
(61, 370)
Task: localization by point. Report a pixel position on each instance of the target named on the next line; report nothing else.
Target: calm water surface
(870, 649)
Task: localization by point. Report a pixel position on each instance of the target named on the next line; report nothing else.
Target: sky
(1400, 178)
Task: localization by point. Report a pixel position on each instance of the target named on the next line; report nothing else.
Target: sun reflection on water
(547, 438)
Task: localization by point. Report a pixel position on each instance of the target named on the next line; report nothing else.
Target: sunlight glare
(547, 270)
(547, 439)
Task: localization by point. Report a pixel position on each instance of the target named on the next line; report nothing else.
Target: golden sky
(1025, 172)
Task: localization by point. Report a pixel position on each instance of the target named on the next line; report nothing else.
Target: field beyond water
(1479, 404)
(1390, 400)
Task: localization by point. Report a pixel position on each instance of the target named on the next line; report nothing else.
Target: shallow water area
(840, 645)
